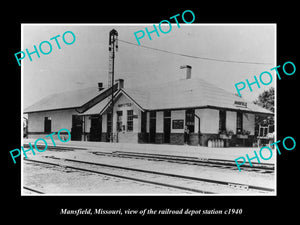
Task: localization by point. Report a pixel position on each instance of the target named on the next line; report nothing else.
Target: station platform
(201, 152)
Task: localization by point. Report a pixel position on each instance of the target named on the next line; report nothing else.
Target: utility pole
(113, 44)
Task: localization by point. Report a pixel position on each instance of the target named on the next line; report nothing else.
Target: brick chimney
(120, 83)
(188, 71)
(100, 86)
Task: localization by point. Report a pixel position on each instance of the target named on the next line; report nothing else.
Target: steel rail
(252, 187)
(123, 177)
(187, 160)
(33, 190)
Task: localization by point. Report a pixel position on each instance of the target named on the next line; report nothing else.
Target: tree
(266, 99)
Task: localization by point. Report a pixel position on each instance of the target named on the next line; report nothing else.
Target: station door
(76, 131)
(96, 128)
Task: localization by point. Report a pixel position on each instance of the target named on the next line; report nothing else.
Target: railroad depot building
(165, 113)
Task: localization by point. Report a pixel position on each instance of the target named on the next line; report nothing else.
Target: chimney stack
(100, 86)
(120, 83)
(188, 71)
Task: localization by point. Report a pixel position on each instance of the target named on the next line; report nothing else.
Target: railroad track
(180, 182)
(33, 190)
(226, 164)
(56, 148)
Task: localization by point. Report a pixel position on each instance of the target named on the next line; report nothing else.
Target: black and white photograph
(147, 109)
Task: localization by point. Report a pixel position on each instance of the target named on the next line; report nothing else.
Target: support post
(199, 132)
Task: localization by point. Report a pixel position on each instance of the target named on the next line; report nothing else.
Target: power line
(196, 57)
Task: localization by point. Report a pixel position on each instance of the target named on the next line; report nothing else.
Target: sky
(85, 62)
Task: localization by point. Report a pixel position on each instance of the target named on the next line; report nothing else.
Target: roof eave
(47, 110)
(121, 91)
(213, 107)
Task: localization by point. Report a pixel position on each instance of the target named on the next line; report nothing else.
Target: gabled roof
(189, 93)
(81, 100)
(64, 100)
(140, 95)
(180, 94)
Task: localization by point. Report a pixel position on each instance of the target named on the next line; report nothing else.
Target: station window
(144, 122)
(47, 125)
(108, 123)
(239, 122)
(119, 120)
(129, 120)
(222, 120)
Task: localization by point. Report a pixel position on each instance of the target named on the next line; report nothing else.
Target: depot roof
(180, 94)
(64, 100)
(189, 93)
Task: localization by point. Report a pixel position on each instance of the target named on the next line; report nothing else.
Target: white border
(148, 24)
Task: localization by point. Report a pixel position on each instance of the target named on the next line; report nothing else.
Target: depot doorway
(96, 128)
(76, 130)
(152, 130)
(167, 126)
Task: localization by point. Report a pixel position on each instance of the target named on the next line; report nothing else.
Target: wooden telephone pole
(113, 45)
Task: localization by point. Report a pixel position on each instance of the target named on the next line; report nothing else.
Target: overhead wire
(195, 57)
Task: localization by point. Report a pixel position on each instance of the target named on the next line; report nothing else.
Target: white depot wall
(59, 119)
(159, 121)
(123, 104)
(138, 121)
(249, 122)
(36, 122)
(104, 123)
(231, 121)
(87, 123)
(148, 122)
(209, 120)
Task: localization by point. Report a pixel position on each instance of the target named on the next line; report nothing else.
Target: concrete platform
(176, 150)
